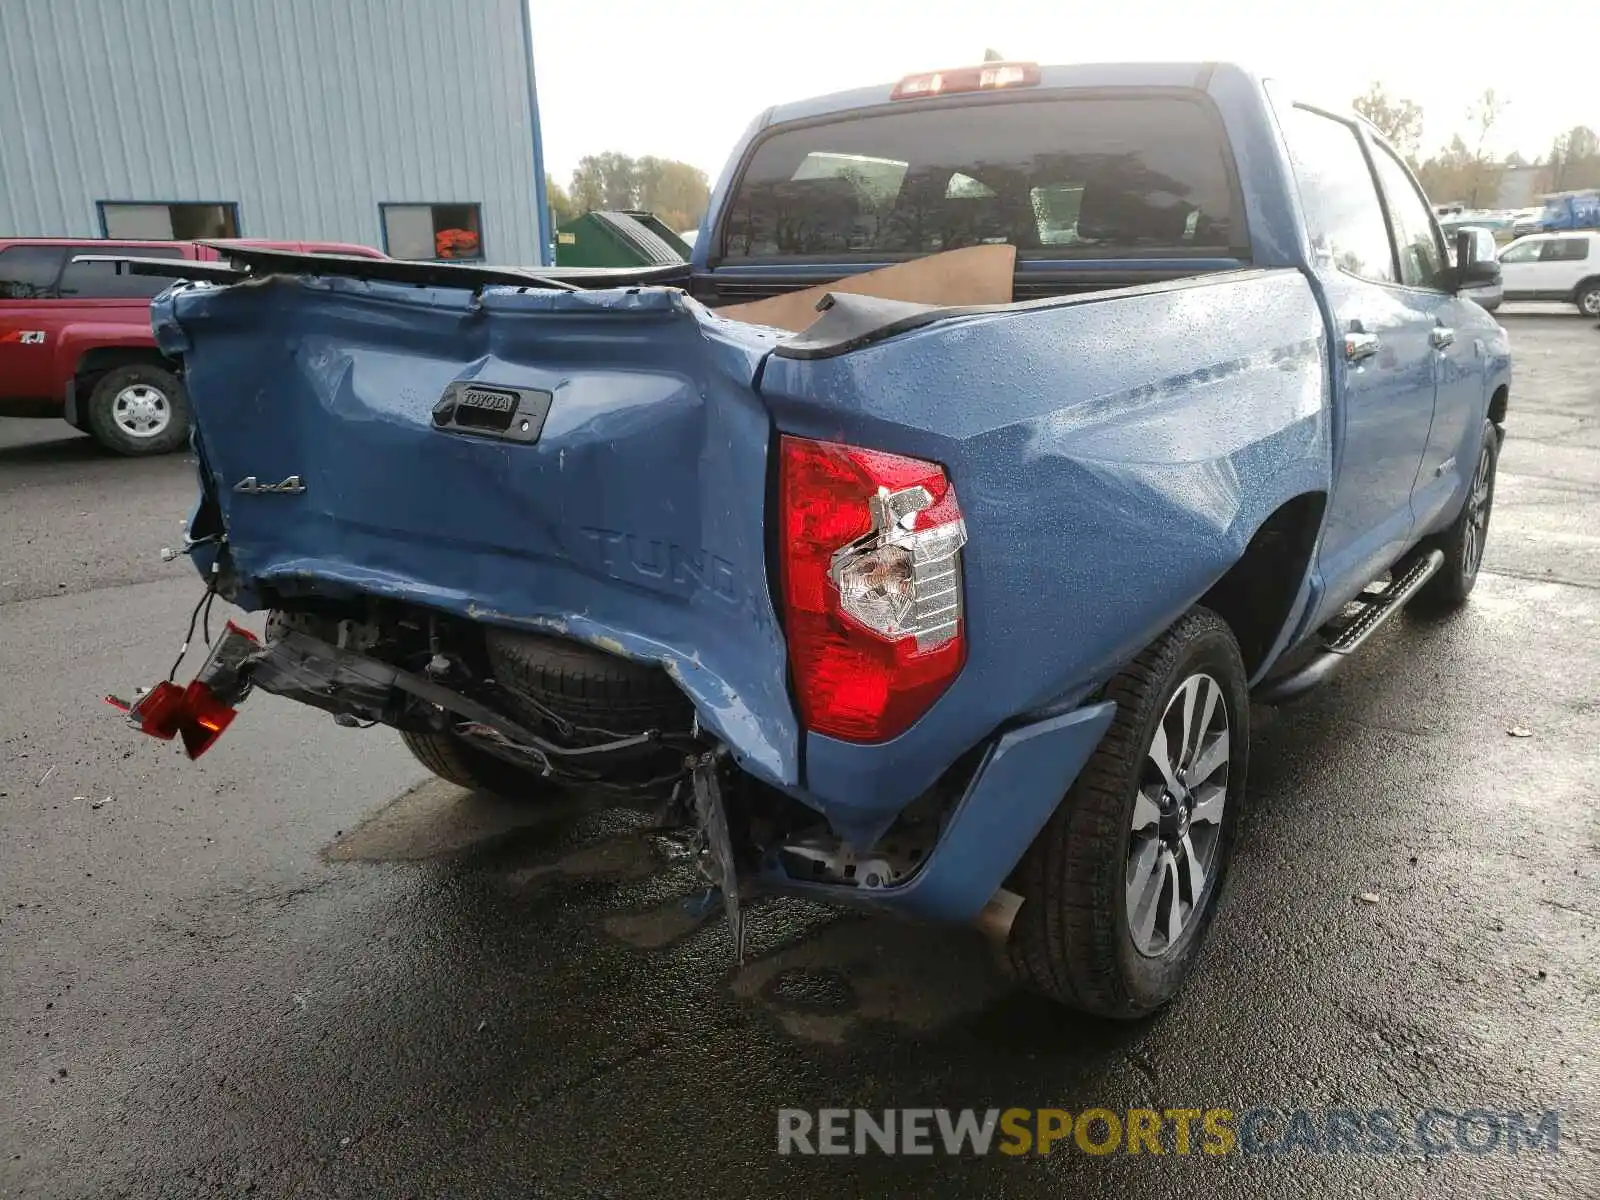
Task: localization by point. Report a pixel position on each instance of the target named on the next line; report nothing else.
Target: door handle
(1359, 346)
(1442, 337)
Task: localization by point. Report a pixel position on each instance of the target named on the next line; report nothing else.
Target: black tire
(1587, 298)
(452, 760)
(1072, 939)
(102, 414)
(1464, 540)
(585, 685)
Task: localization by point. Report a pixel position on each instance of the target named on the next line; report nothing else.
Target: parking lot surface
(301, 967)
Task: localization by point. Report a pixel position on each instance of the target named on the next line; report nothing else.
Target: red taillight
(872, 586)
(199, 712)
(192, 713)
(986, 78)
(208, 717)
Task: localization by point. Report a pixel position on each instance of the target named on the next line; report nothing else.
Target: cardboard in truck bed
(972, 275)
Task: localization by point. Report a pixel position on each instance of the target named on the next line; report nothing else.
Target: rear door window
(1565, 250)
(1093, 177)
(30, 272)
(102, 281)
(1344, 215)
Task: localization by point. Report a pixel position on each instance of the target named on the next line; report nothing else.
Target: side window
(1565, 250)
(102, 281)
(1421, 256)
(29, 272)
(1344, 215)
(1522, 252)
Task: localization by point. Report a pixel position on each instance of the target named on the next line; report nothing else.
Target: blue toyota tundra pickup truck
(954, 610)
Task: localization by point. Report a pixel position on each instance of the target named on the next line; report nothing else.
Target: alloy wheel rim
(1591, 303)
(141, 411)
(1175, 833)
(1477, 531)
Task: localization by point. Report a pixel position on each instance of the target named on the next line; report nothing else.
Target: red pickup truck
(76, 343)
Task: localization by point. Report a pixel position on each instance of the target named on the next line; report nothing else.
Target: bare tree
(1574, 161)
(1483, 114)
(1397, 119)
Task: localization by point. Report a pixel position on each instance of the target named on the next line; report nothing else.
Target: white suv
(1554, 266)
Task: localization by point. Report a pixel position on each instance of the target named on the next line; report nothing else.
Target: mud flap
(717, 861)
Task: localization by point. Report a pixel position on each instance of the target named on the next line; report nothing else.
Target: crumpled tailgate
(635, 520)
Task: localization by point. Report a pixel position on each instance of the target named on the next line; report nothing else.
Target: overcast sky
(683, 80)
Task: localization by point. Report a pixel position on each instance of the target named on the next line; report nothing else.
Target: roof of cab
(1083, 75)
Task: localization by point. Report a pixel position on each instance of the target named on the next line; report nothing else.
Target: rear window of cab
(1058, 178)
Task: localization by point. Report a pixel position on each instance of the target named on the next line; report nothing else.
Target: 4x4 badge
(291, 486)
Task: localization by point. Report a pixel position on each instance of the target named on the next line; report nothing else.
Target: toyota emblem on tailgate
(504, 412)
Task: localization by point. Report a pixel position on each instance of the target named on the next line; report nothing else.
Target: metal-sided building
(408, 125)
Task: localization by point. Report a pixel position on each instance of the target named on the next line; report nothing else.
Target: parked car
(1525, 221)
(948, 610)
(1554, 266)
(76, 342)
(1498, 223)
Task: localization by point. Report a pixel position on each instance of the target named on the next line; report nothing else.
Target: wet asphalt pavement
(299, 967)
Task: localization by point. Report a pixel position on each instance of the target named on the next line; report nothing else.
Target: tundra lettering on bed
(619, 552)
(922, 544)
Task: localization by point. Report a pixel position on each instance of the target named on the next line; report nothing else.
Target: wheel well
(1256, 594)
(95, 363)
(1584, 285)
(1497, 404)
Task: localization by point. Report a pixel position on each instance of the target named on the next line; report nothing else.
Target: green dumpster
(618, 239)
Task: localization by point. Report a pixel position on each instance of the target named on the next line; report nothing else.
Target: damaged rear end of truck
(611, 540)
(576, 467)
(850, 583)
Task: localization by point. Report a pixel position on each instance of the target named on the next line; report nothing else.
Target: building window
(168, 222)
(432, 231)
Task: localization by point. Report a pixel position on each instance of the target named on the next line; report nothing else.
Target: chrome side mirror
(1476, 267)
(1477, 263)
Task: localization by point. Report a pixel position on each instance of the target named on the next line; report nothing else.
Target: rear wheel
(1119, 887)
(453, 760)
(1588, 299)
(139, 409)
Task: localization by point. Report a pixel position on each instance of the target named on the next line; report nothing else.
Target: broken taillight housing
(871, 563)
(199, 712)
